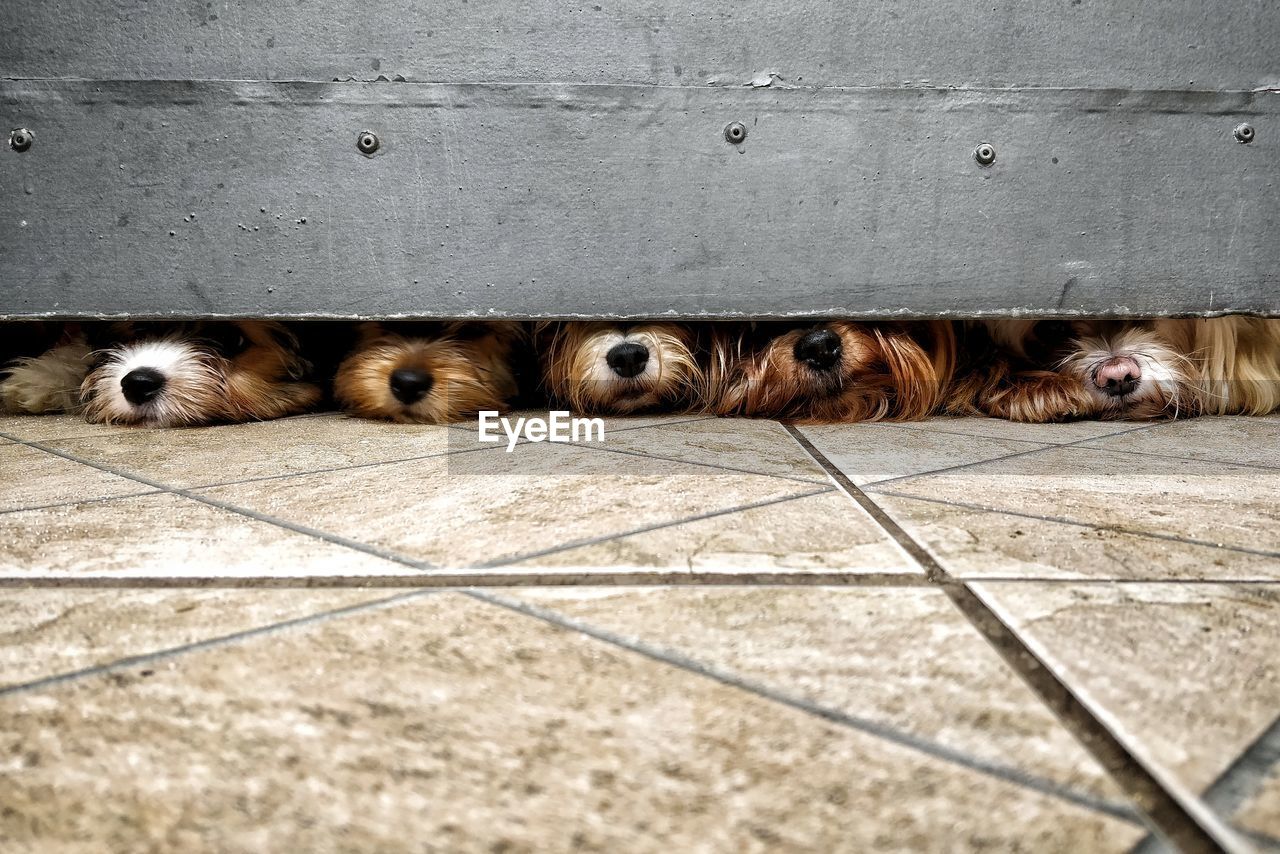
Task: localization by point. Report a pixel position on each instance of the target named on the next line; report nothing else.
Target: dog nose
(820, 349)
(1118, 376)
(410, 385)
(141, 385)
(627, 359)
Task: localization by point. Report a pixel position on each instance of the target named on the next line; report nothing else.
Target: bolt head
(985, 154)
(367, 142)
(20, 139)
(1244, 133)
(735, 132)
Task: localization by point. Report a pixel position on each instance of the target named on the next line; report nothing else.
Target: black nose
(820, 349)
(141, 385)
(410, 385)
(627, 359)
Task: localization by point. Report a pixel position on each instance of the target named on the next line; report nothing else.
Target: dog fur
(580, 366)
(877, 371)
(211, 372)
(45, 378)
(1183, 368)
(463, 367)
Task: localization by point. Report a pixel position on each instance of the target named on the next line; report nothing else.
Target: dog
(41, 367)
(833, 371)
(429, 372)
(159, 374)
(1143, 369)
(620, 368)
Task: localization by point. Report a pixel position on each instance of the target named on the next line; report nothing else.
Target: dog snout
(627, 359)
(410, 385)
(141, 385)
(819, 349)
(1118, 376)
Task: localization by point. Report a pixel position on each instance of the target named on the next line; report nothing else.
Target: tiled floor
(700, 634)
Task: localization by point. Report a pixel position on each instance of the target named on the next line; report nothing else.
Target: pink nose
(1118, 376)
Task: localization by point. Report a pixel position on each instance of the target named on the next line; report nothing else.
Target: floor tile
(167, 536)
(1234, 439)
(42, 428)
(742, 444)
(30, 477)
(998, 428)
(490, 505)
(1172, 498)
(1186, 674)
(973, 543)
(825, 532)
(47, 632)
(453, 722)
(901, 658)
(1261, 814)
(211, 455)
(867, 453)
(612, 423)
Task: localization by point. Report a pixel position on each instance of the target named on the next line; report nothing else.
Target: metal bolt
(1244, 133)
(985, 154)
(735, 132)
(20, 139)
(367, 142)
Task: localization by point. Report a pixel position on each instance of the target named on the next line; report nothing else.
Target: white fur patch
(192, 385)
(1165, 383)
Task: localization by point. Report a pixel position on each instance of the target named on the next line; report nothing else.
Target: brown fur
(470, 363)
(1221, 366)
(248, 370)
(575, 373)
(886, 371)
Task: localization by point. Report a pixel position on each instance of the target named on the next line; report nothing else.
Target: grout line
(315, 533)
(1245, 775)
(935, 750)
(76, 501)
(1080, 444)
(461, 579)
(351, 467)
(1111, 581)
(208, 643)
(1236, 785)
(657, 526)
(1062, 520)
(1015, 455)
(690, 420)
(734, 469)
(1180, 819)
(918, 427)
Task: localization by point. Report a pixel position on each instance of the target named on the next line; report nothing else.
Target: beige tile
(1262, 812)
(1186, 674)
(867, 453)
(45, 632)
(168, 536)
(980, 544)
(741, 443)
(42, 428)
(478, 507)
(996, 428)
(30, 477)
(901, 658)
(462, 725)
(1212, 503)
(1234, 439)
(825, 532)
(209, 455)
(613, 423)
